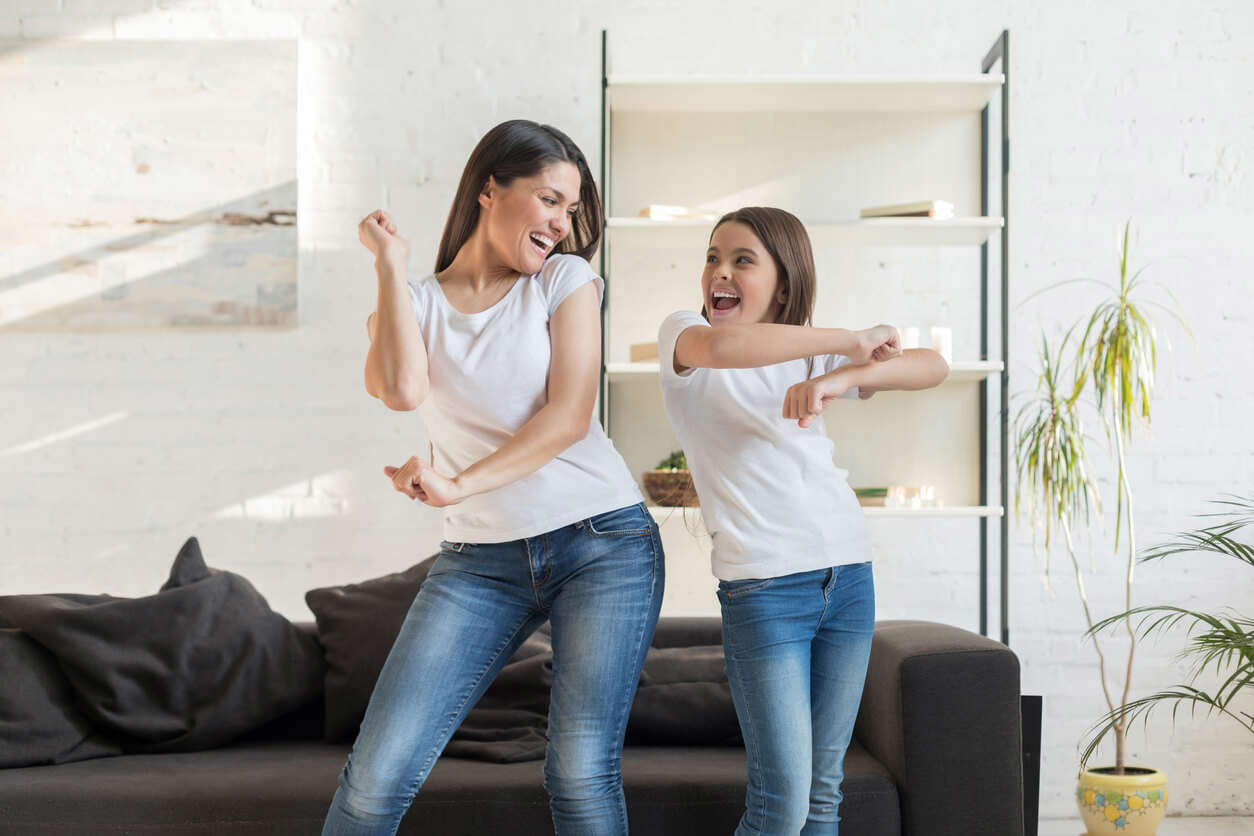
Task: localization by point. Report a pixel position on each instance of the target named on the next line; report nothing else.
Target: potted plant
(1115, 358)
(670, 483)
(1225, 642)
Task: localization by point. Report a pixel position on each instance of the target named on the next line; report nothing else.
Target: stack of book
(663, 212)
(938, 209)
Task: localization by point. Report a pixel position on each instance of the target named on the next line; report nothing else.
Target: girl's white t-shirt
(772, 497)
(489, 375)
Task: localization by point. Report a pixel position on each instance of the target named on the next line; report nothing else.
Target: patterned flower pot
(1131, 804)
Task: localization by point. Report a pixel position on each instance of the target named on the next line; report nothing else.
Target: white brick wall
(267, 448)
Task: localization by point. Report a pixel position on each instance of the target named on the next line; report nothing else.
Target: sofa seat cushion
(285, 787)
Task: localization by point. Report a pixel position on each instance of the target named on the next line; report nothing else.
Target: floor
(1178, 826)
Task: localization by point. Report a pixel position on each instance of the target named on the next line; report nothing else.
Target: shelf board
(876, 511)
(863, 232)
(954, 511)
(786, 93)
(970, 371)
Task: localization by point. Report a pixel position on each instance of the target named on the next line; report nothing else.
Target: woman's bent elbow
(404, 397)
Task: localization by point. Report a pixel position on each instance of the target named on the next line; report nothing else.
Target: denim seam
(537, 583)
(732, 593)
(622, 710)
(448, 727)
(753, 766)
(622, 532)
(625, 701)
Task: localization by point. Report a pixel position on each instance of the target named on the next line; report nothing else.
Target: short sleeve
(563, 274)
(826, 363)
(667, 335)
(418, 297)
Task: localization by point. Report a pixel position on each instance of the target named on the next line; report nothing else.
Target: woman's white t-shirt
(489, 374)
(772, 498)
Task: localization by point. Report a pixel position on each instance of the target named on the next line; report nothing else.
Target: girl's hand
(879, 343)
(805, 401)
(377, 232)
(418, 480)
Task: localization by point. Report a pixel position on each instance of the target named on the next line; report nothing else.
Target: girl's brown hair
(521, 148)
(785, 238)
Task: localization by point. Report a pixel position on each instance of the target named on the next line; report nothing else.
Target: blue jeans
(796, 648)
(599, 581)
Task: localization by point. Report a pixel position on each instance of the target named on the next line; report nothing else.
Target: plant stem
(1088, 617)
(1121, 726)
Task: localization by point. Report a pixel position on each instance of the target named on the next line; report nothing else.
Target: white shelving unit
(717, 142)
(868, 232)
(805, 93)
(959, 372)
(664, 511)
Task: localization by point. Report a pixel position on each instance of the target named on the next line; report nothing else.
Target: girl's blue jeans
(599, 582)
(796, 649)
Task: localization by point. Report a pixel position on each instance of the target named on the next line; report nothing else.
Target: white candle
(943, 342)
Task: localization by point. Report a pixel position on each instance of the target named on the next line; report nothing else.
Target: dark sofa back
(307, 721)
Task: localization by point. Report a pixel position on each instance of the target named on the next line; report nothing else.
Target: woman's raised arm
(396, 363)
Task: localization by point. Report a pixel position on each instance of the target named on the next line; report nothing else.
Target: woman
(500, 348)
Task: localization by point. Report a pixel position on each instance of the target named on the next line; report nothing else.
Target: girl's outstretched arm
(916, 368)
(747, 346)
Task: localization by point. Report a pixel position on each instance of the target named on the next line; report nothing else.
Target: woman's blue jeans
(796, 648)
(599, 582)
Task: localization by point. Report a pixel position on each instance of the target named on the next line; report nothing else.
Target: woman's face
(740, 282)
(527, 219)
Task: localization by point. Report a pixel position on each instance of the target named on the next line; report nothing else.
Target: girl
(500, 347)
(745, 383)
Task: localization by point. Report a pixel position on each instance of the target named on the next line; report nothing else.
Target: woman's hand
(879, 343)
(419, 480)
(805, 401)
(377, 232)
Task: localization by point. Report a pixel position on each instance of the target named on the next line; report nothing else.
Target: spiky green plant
(1223, 642)
(1117, 357)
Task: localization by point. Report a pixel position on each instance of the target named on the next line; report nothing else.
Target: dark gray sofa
(937, 752)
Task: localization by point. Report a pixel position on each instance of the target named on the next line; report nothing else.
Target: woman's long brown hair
(521, 148)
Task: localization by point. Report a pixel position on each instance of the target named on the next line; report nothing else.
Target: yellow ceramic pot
(1131, 804)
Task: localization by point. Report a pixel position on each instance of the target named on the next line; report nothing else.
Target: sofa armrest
(940, 710)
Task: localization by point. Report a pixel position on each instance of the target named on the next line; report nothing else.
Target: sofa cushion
(39, 721)
(684, 700)
(192, 667)
(357, 625)
(286, 788)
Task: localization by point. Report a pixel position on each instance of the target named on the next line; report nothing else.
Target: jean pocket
(621, 522)
(731, 589)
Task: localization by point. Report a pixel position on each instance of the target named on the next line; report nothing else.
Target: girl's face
(527, 219)
(740, 282)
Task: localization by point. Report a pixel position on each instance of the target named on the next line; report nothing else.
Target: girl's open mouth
(725, 300)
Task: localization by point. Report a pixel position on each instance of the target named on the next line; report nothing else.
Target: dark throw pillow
(683, 700)
(39, 721)
(357, 625)
(192, 667)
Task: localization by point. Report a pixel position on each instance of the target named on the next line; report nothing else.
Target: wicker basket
(670, 487)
